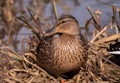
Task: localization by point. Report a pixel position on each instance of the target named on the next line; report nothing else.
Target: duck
(65, 50)
(114, 50)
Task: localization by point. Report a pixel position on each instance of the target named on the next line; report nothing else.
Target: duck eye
(63, 21)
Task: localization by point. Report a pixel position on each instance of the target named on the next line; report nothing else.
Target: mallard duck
(65, 50)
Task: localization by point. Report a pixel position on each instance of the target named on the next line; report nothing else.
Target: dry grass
(21, 67)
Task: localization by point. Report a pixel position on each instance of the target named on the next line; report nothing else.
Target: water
(81, 12)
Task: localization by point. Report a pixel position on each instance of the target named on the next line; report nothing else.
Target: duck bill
(50, 34)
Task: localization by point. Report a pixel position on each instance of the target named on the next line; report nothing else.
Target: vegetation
(21, 22)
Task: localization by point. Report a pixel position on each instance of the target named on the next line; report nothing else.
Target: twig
(36, 21)
(100, 33)
(15, 79)
(107, 39)
(39, 68)
(30, 81)
(78, 79)
(94, 18)
(119, 14)
(87, 24)
(49, 34)
(102, 56)
(33, 29)
(24, 20)
(114, 18)
(10, 30)
(55, 9)
(107, 60)
(9, 52)
(114, 12)
(32, 15)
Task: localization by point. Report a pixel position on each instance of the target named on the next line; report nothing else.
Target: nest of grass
(22, 68)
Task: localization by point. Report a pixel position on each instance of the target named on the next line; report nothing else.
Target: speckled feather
(67, 52)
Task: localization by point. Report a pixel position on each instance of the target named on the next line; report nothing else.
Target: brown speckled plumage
(65, 52)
